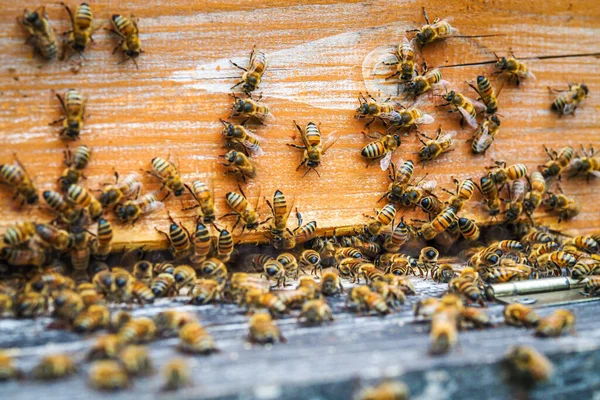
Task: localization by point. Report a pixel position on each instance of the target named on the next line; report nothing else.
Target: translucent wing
(429, 185)
(595, 173)
(132, 187)
(425, 119)
(385, 161)
(332, 137)
(471, 120)
(254, 148)
(479, 106)
(482, 143)
(569, 108)
(530, 75)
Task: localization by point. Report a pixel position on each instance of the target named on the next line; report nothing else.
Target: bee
(253, 75)
(132, 210)
(93, 318)
(178, 238)
(440, 29)
(263, 330)
(315, 312)
(241, 282)
(204, 197)
(304, 232)
(439, 224)
(123, 292)
(487, 131)
(427, 81)
(19, 233)
(272, 269)
(443, 334)
(184, 276)
(205, 291)
(589, 164)
(239, 165)
(399, 178)
(393, 295)
(130, 43)
(290, 264)
(413, 193)
(136, 360)
(108, 375)
(405, 61)
(8, 370)
(310, 258)
(41, 32)
(386, 390)
(467, 108)
(82, 197)
(490, 193)
(373, 108)
(556, 261)
(75, 163)
(443, 273)
(373, 301)
(31, 305)
(238, 134)
(584, 243)
(381, 149)
(506, 246)
(242, 210)
(566, 207)
(119, 319)
(18, 257)
(111, 195)
(527, 367)
(309, 286)
(279, 210)
(517, 197)
(215, 269)
(168, 175)
(61, 207)
(250, 108)
(257, 299)
(428, 258)
(68, 305)
(433, 148)
(143, 271)
(81, 251)
(313, 147)
(106, 346)
(502, 174)
(73, 105)
(176, 374)
(18, 179)
(533, 198)
(224, 245)
(400, 235)
(82, 27)
(486, 94)
(592, 285)
(202, 244)
(104, 282)
(383, 218)
(556, 324)
(409, 118)
(558, 162)
(464, 192)
(168, 323)
(102, 245)
(331, 283)
(568, 101)
(517, 314)
(513, 68)
(54, 367)
(139, 330)
(163, 285)
(467, 289)
(356, 298)
(142, 293)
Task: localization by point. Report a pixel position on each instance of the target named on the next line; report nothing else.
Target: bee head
(179, 277)
(238, 105)
(496, 120)
(312, 163)
(363, 109)
(449, 96)
(585, 88)
(421, 38)
(121, 281)
(480, 79)
(271, 271)
(501, 63)
(32, 17)
(424, 153)
(426, 202)
(179, 191)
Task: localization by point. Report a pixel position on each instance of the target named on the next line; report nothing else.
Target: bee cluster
(380, 252)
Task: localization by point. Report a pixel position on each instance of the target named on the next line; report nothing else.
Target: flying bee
(253, 74)
(82, 197)
(429, 80)
(467, 108)
(315, 312)
(513, 68)
(381, 149)
(238, 134)
(556, 324)
(132, 210)
(405, 61)
(205, 199)
(558, 162)
(264, 330)
(176, 374)
(41, 33)
(15, 176)
(130, 43)
(485, 134)
(82, 28)
(168, 175)
(19, 233)
(73, 106)
(111, 195)
(527, 367)
(409, 118)
(243, 210)
(517, 197)
(468, 228)
(54, 367)
(108, 375)
(239, 165)
(383, 218)
(75, 164)
(568, 101)
(58, 239)
(250, 108)
(313, 147)
(433, 148)
(566, 207)
(440, 29)
(373, 108)
(399, 178)
(178, 238)
(486, 94)
(533, 198)
(502, 174)
(588, 165)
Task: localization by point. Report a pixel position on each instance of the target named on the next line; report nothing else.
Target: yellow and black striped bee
(243, 210)
(440, 29)
(66, 212)
(264, 330)
(444, 332)
(331, 283)
(315, 312)
(206, 291)
(176, 374)
(433, 148)
(169, 176)
(409, 118)
(239, 165)
(485, 134)
(429, 80)
(239, 134)
(467, 108)
(253, 74)
(463, 193)
(54, 367)
(489, 191)
(486, 94)
(443, 273)
(502, 174)
(400, 178)
(184, 277)
(108, 375)
(513, 68)
(383, 218)
(467, 289)
(73, 106)
(568, 101)
(101, 246)
(290, 264)
(280, 213)
(428, 259)
(314, 148)
(558, 162)
(82, 28)
(555, 262)
(533, 198)
(206, 202)
(592, 285)
(132, 210)
(122, 189)
(250, 108)
(382, 149)
(95, 317)
(136, 360)
(526, 367)
(178, 238)
(41, 32)
(400, 235)
(138, 330)
(584, 243)
(405, 61)
(517, 197)
(15, 176)
(587, 165)
(58, 239)
(374, 109)
(128, 32)
(310, 258)
(224, 245)
(82, 197)
(193, 338)
(17, 256)
(215, 269)
(202, 243)
(517, 314)
(75, 164)
(439, 224)
(19, 233)
(566, 207)
(468, 228)
(556, 324)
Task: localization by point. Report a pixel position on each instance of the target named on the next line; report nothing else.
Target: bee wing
(471, 120)
(429, 185)
(385, 161)
(568, 108)
(479, 106)
(530, 75)
(153, 207)
(426, 119)
(483, 143)
(448, 137)
(332, 137)
(253, 148)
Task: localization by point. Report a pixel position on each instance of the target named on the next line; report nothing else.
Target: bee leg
(235, 65)
(369, 123)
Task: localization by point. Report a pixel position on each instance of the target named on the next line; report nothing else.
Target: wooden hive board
(172, 104)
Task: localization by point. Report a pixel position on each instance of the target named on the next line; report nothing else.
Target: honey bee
(8, 370)
(568, 101)
(204, 197)
(584, 243)
(108, 375)
(75, 164)
(81, 251)
(517, 314)
(429, 80)
(176, 374)
(399, 178)
(41, 32)
(202, 243)
(393, 295)
(290, 264)
(243, 210)
(443, 273)
(130, 43)
(256, 299)
(31, 305)
(138, 330)
(67, 305)
(383, 218)
(18, 179)
(433, 148)
(280, 213)
(206, 291)
(558, 162)
(487, 131)
(239, 165)
(62, 208)
(6, 309)
(467, 289)
(502, 174)
(556, 261)
(224, 245)
(73, 106)
(381, 149)
(439, 224)
(169, 322)
(272, 269)
(184, 276)
(588, 165)
(143, 271)
(215, 269)
(102, 245)
(468, 228)
(123, 289)
(238, 134)
(19, 233)
(385, 390)
(119, 319)
(111, 195)
(18, 257)
(106, 346)
(93, 318)
(178, 238)
(443, 334)
(527, 367)
(168, 175)
(592, 285)
(253, 75)
(313, 147)
(506, 246)
(440, 29)
(331, 283)
(464, 192)
(373, 108)
(54, 367)
(250, 108)
(556, 324)
(467, 108)
(517, 197)
(241, 282)
(263, 330)
(400, 235)
(566, 207)
(132, 210)
(315, 312)
(136, 360)
(304, 232)
(533, 198)
(405, 61)
(428, 258)
(514, 69)
(409, 118)
(82, 197)
(82, 28)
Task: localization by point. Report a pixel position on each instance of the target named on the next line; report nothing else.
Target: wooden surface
(172, 104)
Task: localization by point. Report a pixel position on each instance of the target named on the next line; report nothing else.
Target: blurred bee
(56, 238)
(409, 118)
(238, 134)
(331, 283)
(8, 370)
(487, 131)
(433, 148)
(60, 206)
(393, 295)
(75, 164)
(178, 238)
(315, 312)
(81, 251)
(558, 162)
(111, 195)
(136, 360)
(468, 228)
(242, 282)
(584, 243)
(176, 374)
(142, 293)
(588, 165)
(400, 178)
(443, 334)
(429, 80)
(206, 291)
(517, 197)
(19, 233)
(513, 68)
(239, 165)
(130, 43)
(566, 207)
(253, 75)
(502, 174)
(439, 224)
(527, 367)
(41, 32)
(73, 106)
(215, 269)
(568, 101)
(101, 247)
(143, 271)
(313, 147)
(373, 108)
(517, 314)
(467, 289)
(290, 264)
(592, 285)
(486, 94)
(386, 390)
(132, 210)
(264, 330)
(93, 318)
(54, 367)
(31, 305)
(533, 198)
(443, 273)
(256, 299)
(503, 274)
(467, 108)
(185, 276)
(106, 346)
(169, 323)
(381, 149)
(119, 319)
(82, 27)
(18, 257)
(383, 218)
(82, 197)
(250, 108)
(206, 202)
(556, 324)
(202, 243)
(139, 330)
(310, 258)
(405, 61)
(440, 29)
(18, 179)
(108, 375)
(169, 176)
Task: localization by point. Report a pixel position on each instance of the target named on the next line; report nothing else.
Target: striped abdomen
(443, 220)
(79, 195)
(487, 93)
(374, 150)
(236, 201)
(386, 214)
(163, 167)
(74, 103)
(312, 135)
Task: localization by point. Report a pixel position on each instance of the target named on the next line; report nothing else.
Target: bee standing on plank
(373, 108)
(429, 80)
(239, 165)
(513, 68)
(568, 101)
(433, 148)
(484, 137)
(250, 108)
(313, 147)
(440, 29)
(130, 43)
(558, 162)
(73, 106)
(253, 75)
(205, 199)
(409, 118)
(467, 108)
(405, 61)
(168, 174)
(132, 210)
(238, 134)
(381, 149)
(242, 209)
(486, 94)
(82, 28)
(587, 165)
(41, 33)
(15, 176)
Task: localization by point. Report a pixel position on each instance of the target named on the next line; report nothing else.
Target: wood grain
(172, 104)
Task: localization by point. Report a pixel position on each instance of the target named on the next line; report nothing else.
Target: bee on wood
(243, 210)
(462, 194)
(54, 367)
(169, 322)
(386, 390)
(111, 195)
(400, 235)
(558, 162)
(139, 330)
(64, 210)
(485, 134)
(556, 261)
(587, 165)
(73, 106)
(101, 246)
(439, 224)
(106, 346)
(517, 197)
(374, 109)
(501, 174)
(263, 330)
(381, 149)
(256, 299)
(467, 108)
(399, 178)
(136, 360)
(468, 228)
(128, 32)
(206, 291)
(239, 165)
(168, 175)
(214, 269)
(313, 147)
(315, 312)
(278, 228)
(202, 244)
(409, 118)
(253, 74)
(16, 177)
(82, 28)
(250, 108)
(19, 233)
(467, 289)
(238, 134)
(185, 276)
(132, 210)
(75, 163)
(527, 367)
(178, 238)
(433, 148)
(272, 269)
(443, 334)
(383, 218)
(440, 29)
(205, 199)
(176, 374)
(83, 198)
(41, 33)
(224, 245)
(405, 61)
(429, 80)
(556, 324)
(568, 101)
(513, 68)
(93, 318)
(31, 305)
(443, 273)
(486, 94)
(490, 193)
(58, 239)
(517, 314)
(331, 283)
(565, 207)
(108, 375)
(533, 198)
